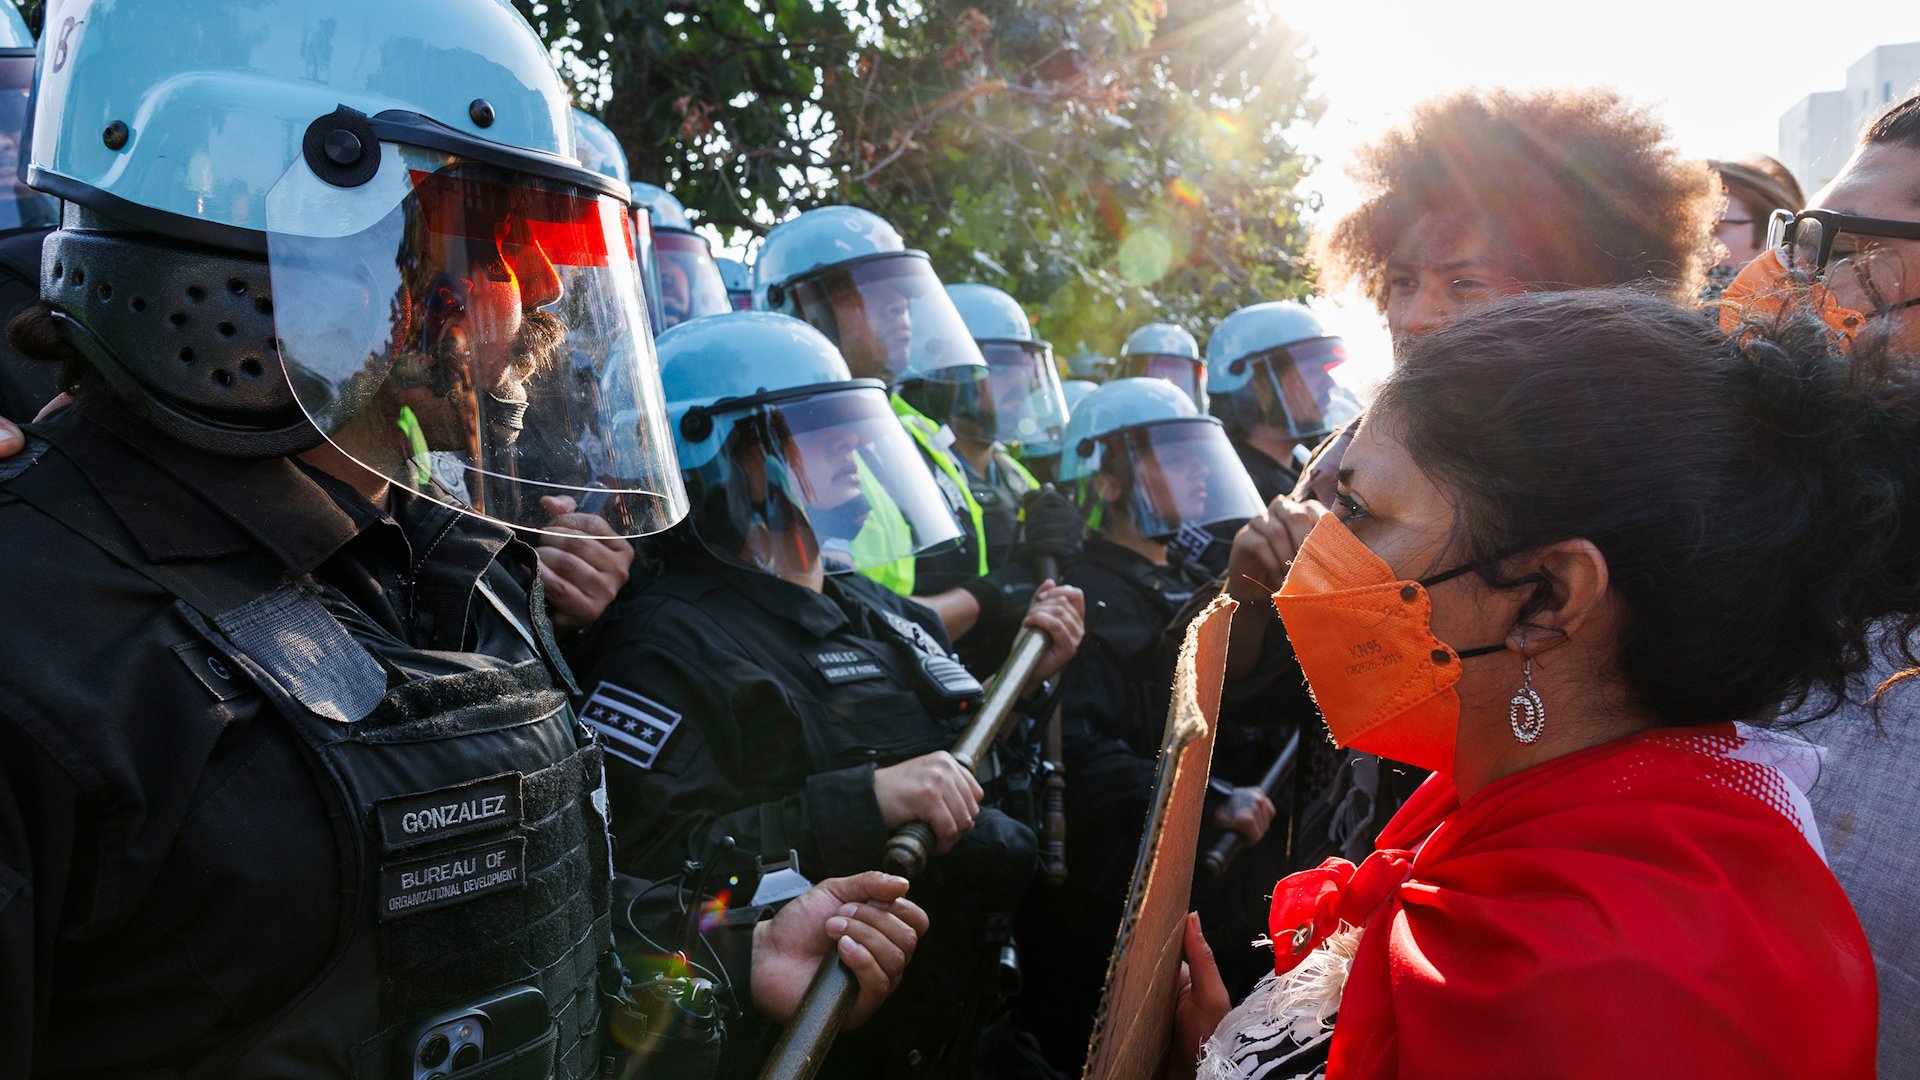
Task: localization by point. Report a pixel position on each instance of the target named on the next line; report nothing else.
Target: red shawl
(1650, 907)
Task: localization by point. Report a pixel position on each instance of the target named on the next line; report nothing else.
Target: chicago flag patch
(632, 727)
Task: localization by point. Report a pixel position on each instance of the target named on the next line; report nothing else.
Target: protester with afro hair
(1480, 195)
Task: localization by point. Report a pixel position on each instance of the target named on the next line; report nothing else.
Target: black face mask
(500, 412)
(840, 522)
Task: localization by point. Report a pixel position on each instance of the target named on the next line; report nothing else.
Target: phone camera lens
(467, 1056)
(434, 1051)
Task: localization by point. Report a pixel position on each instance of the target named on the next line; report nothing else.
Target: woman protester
(1584, 547)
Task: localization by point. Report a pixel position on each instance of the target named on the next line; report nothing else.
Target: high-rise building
(1817, 134)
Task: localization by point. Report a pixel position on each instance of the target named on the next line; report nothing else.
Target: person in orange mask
(1586, 621)
(1480, 195)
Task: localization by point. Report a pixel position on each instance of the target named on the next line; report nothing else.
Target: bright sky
(1720, 74)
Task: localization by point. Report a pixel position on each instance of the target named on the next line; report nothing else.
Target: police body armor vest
(473, 838)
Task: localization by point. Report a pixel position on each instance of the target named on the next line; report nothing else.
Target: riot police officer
(751, 686)
(1269, 377)
(690, 281)
(847, 272)
(1091, 367)
(1165, 351)
(1141, 463)
(998, 422)
(290, 783)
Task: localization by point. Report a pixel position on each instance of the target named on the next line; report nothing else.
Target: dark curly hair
(1756, 496)
(1579, 184)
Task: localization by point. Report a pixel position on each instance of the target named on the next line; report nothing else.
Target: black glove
(1052, 524)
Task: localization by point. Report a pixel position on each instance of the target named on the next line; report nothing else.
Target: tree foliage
(1108, 162)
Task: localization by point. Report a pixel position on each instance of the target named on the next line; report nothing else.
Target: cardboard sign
(1136, 1011)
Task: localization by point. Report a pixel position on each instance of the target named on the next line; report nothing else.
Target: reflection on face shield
(1290, 389)
(480, 334)
(1181, 371)
(690, 283)
(825, 482)
(480, 339)
(891, 319)
(1019, 403)
(1171, 479)
(1154, 479)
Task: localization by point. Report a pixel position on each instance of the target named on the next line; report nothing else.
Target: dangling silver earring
(1526, 713)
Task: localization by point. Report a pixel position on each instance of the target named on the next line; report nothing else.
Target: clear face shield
(1019, 403)
(1183, 372)
(649, 264)
(690, 282)
(21, 207)
(1156, 478)
(891, 319)
(476, 334)
(1291, 391)
(805, 481)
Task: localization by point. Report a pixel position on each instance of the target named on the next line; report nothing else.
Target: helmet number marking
(60, 46)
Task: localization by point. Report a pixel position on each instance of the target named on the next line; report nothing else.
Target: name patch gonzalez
(846, 665)
(632, 727)
(444, 880)
(476, 806)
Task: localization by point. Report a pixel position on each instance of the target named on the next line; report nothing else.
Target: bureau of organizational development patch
(632, 727)
(444, 880)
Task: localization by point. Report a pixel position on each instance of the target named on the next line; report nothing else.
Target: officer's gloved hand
(1060, 611)
(1248, 812)
(581, 571)
(933, 788)
(1053, 526)
(876, 928)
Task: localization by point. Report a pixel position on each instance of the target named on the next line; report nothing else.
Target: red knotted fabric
(1649, 907)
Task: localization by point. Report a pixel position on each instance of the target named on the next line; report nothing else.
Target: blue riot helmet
(597, 147)
(1165, 351)
(259, 253)
(21, 207)
(1141, 460)
(1074, 391)
(1270, 371)
(1019, 403)
(739, 282)
(690, 282)
(1090, 367)
(847, 272)
(791, 465)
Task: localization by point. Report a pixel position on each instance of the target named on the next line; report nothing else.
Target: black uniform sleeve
(736, 735)
(36, 853)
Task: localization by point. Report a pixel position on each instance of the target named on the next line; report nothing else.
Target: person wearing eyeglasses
(1854, 256)
(1860, 235)
(1756, 186)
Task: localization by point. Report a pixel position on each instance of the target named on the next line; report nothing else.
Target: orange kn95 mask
(1365, 641)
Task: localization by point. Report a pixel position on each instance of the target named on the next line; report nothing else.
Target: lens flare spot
(1225, 124)
(1184, 191)
(1146, 256)
(714, 910)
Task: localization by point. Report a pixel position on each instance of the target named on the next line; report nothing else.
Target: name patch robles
(476, 806)
(846, 665)
(444, 880)
(632, 727)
